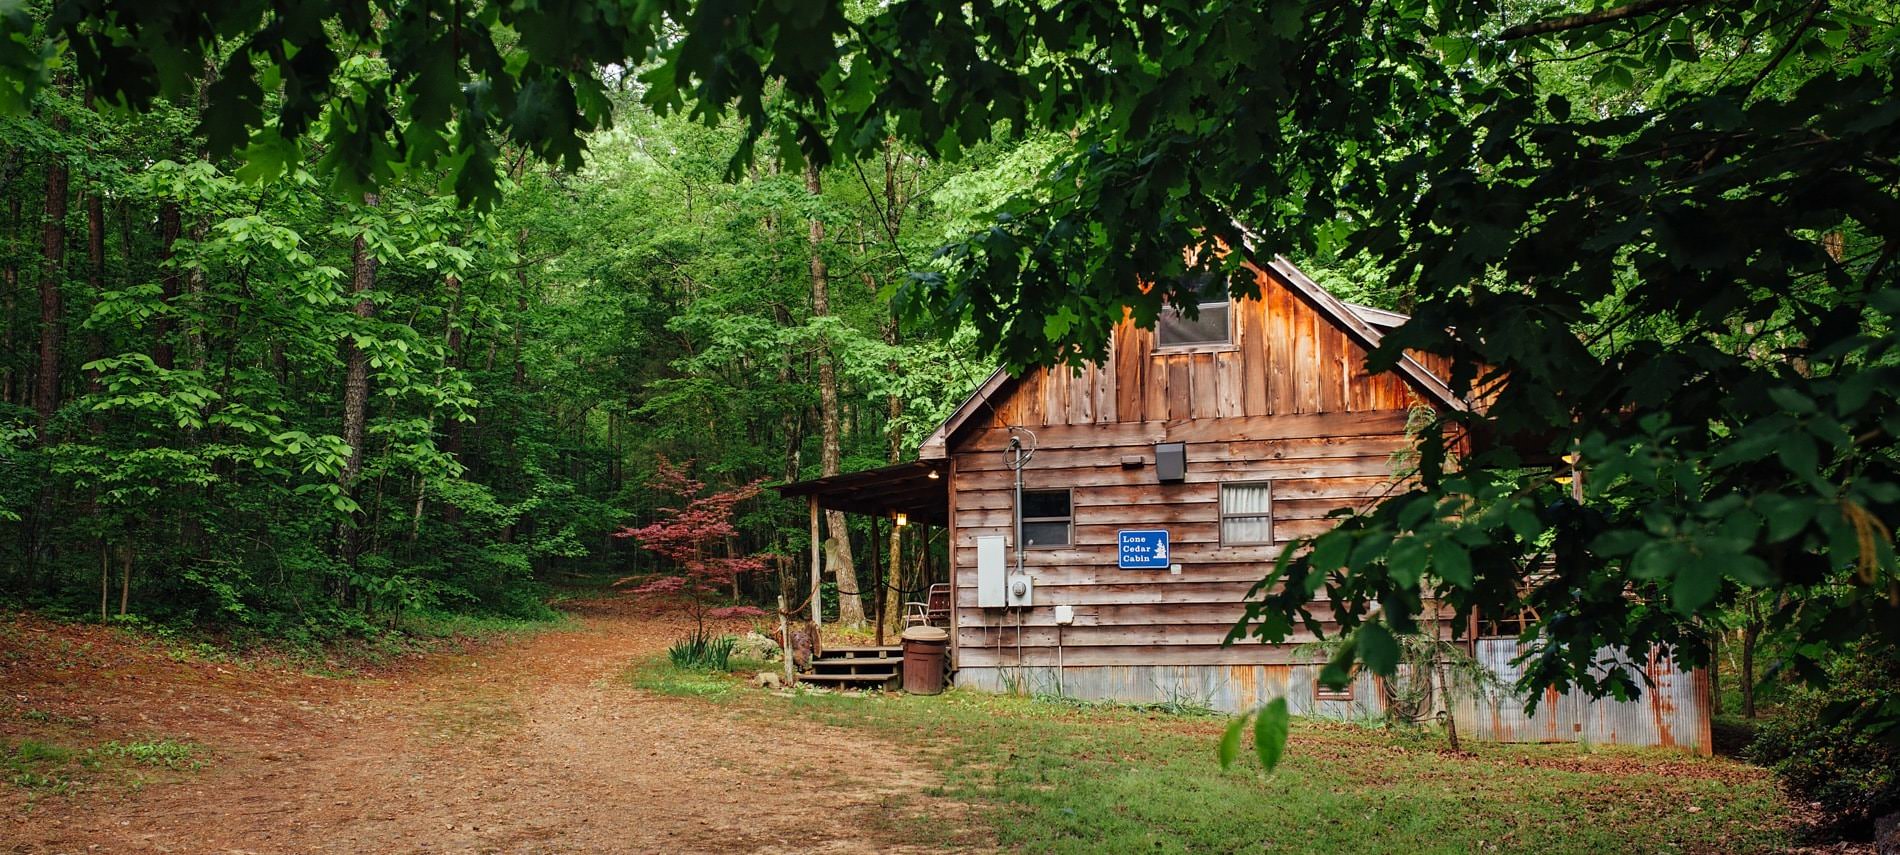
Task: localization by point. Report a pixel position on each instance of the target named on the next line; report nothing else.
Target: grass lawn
(1050, 775)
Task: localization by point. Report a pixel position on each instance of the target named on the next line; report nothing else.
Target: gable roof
(1364, 325)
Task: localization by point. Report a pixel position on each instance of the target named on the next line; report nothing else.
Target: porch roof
(916, 489)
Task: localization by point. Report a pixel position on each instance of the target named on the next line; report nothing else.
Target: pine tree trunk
(52, 274)
(356, 383)
(838, 537)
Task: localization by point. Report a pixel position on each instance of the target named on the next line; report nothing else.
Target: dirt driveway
(529, 746)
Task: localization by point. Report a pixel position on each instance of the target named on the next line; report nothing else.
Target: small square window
(1246, 514)
(1322, 693)
(1046, 518)
(1212, 323)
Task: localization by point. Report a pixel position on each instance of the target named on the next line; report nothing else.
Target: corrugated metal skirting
(1673, 713)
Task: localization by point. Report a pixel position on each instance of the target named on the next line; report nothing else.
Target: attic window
(1214, 322)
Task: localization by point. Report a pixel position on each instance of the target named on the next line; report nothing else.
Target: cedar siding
(1288, 401)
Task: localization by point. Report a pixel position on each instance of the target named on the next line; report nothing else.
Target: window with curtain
(1246, 513)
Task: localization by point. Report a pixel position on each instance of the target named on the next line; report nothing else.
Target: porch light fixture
(903, 519)
(933, 475)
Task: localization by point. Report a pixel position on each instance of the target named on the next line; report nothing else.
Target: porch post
(817, 602)
(877, 572)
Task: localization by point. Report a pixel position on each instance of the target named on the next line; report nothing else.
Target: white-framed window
(1213, 324)
(1246, 513)
(1047, 517)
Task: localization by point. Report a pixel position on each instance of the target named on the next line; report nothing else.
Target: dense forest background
(281, 409)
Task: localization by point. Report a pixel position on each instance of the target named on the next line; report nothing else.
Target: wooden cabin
(1225, 437)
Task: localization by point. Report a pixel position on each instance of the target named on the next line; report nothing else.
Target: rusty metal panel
(1227, 688)
(1673, 711)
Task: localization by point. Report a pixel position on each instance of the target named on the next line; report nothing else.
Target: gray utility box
(1170, 462)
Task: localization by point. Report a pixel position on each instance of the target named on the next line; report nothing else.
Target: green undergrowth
(416, 634)
(660, 675)
(44, 767)
(1060, 775)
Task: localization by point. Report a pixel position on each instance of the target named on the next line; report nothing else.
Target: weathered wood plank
(1154, 388)
(1228, 367)
(1280, 383)
(1313, 509)
(1241, 429)
(1119, 614)
(1203, 374)
(1180, 385)
(1306, 366)
(1028, 394)
(1130, 376)
(1189, 555)
(1104, 572)
(1116, 636)
(1336, 488)
(974, 655)
(1334, 375)
(1254, 368)
(1142, 593)
(1203, 505)
(1308, 448)
(1035, 478)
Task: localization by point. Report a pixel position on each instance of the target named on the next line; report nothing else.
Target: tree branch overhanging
(1586, 19)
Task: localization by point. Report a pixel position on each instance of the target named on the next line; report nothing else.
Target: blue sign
(1143, 549)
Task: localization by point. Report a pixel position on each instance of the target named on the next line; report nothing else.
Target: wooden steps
(856, 668)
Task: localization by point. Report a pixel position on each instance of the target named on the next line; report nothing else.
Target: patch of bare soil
(529, 746)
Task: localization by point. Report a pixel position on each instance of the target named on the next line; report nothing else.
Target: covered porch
(904, 497)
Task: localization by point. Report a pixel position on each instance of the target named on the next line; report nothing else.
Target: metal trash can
(924, 650)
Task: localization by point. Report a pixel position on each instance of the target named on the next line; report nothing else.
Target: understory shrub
(1824, 751)
(703, 652)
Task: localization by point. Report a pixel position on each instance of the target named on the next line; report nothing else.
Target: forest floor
(529, 744)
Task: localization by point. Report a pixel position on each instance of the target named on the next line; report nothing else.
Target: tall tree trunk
(96, 278)
(195, 338)
(169, 226)
(52, 274)
(356, 383)
(10, 278)
(452, 434)
(125, 578)
(1715, 672)
(894, 454)
(838, 536)
(1751, 635)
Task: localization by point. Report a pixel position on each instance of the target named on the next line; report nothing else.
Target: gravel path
(529, 746)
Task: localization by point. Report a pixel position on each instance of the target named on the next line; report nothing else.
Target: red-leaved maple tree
(694, 539)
